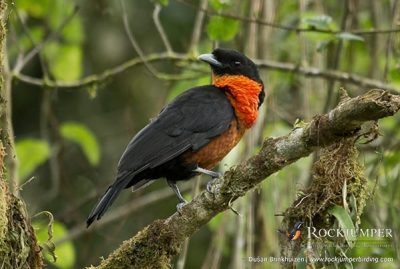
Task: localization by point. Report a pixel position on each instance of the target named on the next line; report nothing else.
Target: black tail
(106, 200)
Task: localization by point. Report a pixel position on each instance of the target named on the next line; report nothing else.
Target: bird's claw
(209, 186)
(216, 175)
(179, 207)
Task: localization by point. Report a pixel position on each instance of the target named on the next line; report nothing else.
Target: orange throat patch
(243, 94)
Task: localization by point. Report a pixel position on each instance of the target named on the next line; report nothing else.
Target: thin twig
(198, 26)
(21, 64)
(21, 187)
(133, 41)
(32, 40)
(337, 53)
(263, 64)
(351, 78)
(160, 28)
(109, 73)
(389, 42)
(290, 28)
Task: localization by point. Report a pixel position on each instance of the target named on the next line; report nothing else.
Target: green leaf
(73, 31)
(223, 29)
(31, 154)
(59, 11)
(65, 252)
(220, 4)
(345, 222)
(80, 134)
(37, 8)
(320, 22)
(163, 2)
(65, 61)
(349, 37)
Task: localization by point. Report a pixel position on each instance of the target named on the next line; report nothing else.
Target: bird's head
(231, 63)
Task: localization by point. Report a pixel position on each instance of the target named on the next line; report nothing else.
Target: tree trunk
(18, 244)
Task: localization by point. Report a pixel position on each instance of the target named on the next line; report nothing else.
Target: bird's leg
(212, 174)
(207, 172)
(182, 201)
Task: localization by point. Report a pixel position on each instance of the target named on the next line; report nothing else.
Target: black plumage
(198, 128)
(186, 124)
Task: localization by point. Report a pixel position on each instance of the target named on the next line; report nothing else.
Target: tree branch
(197, 28)
(156, 244)
(181, 57)
(160, 28)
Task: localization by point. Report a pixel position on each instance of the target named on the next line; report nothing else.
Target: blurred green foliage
(81, 135)
(92, 131)
(223, 29)
(64, 253)
(31, 154)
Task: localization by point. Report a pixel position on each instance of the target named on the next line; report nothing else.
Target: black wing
(189, 122)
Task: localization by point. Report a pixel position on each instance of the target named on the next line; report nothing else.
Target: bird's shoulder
(197, 109)
(188, 122)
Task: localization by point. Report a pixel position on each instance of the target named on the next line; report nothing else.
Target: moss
(3, 196)
(19, 247)
(153, 247)
(338, 165)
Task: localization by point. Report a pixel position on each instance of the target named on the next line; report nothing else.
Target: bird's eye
(238, 63)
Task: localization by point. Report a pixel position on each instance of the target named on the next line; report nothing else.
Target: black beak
(210, 58)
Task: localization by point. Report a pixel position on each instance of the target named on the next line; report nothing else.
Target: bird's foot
(180, 205)
(209, 186)
(215, 175)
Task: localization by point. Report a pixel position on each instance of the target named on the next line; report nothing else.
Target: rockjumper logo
(380, 233)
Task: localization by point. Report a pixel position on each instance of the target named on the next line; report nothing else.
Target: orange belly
(211, 154)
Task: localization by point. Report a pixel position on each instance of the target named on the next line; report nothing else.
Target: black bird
(194, 132)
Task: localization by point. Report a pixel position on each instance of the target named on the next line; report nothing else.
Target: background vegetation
(86, 76)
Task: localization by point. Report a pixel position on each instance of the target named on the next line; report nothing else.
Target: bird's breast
(212, 153)
(243, 93)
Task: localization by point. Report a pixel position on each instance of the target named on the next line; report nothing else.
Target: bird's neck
(243, 93)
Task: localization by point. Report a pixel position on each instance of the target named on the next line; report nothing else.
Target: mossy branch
(155, 245)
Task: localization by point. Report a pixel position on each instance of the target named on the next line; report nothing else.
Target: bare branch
(156, 244)
(133, 41)
(395, 17)
(160, 28)
(109, 73)
(328, 74)
(198, 26)
(179, 57)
